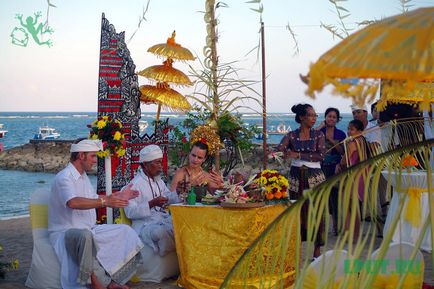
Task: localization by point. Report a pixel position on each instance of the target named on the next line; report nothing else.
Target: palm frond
(274, 260)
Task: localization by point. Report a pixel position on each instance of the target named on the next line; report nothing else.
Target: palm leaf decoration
(278, 259)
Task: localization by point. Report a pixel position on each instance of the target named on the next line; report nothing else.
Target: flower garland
(206, 135)
(275, 185)
(109, 131)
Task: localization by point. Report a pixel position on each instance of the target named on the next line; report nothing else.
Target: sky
(64, 77)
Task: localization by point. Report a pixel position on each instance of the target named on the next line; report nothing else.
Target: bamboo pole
(264, 98)
(214, 64)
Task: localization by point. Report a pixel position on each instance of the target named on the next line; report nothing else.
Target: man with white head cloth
(102, 256)
(149, 219)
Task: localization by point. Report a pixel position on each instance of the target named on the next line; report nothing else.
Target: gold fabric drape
(210, 239)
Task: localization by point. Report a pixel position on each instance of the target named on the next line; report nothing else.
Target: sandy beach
(16, 239)
(17, 242)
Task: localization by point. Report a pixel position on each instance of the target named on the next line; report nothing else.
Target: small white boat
(46, 133)
(260, 134)
(2, 131)
(143, 124)
(281, 129)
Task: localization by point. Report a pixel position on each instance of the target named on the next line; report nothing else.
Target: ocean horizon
(16, 186)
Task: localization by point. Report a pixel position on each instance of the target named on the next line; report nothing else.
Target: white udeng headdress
(358, 107)
(87, 145)
(150, 153)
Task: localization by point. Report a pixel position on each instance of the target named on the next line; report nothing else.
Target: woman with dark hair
(306, 147)
(333, 155)
(193, 175)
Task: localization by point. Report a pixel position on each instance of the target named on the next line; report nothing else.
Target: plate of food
(242, 205)
(209, 199)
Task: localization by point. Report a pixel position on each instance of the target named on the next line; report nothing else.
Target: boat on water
(143, 125)
(46, 133)
(281, 129)
(2, 131)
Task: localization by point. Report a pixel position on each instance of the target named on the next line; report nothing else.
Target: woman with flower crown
(306, 147)
(193, 175)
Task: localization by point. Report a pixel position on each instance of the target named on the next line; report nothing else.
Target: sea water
(16, 186)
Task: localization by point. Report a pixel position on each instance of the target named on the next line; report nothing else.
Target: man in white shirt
(372, 132)
(104, 256)
(149, 218)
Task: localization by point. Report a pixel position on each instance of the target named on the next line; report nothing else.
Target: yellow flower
(101, 124)
(120, 152)
(117, 135)
(103, 153)
(15, 264)
(262, 181)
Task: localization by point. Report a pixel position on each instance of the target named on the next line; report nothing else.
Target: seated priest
(147, 212)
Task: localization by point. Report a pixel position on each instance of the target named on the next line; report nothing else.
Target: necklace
(304, 135)
(154, 194)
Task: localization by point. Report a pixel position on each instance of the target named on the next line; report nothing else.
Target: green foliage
(7, 266)
(232, 131)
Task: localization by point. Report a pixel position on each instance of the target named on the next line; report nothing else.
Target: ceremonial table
(413, 186)
(210, 239)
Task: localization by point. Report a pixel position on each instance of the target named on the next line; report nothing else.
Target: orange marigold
(278, 195)
(270, 196)
(409, 161)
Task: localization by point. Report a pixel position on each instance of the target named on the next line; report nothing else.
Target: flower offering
(409, 161)
(274, 184)
(109, 131)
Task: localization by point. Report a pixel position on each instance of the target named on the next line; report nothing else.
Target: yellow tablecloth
(210, 239)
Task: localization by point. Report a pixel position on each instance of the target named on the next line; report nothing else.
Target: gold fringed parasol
(398, 49)
(166, 73)
(171, 49)
(165, 97)
(161, 93)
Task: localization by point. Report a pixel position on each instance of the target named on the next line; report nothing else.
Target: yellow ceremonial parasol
(171, 49)
(166, 73)
(165, 97)
(161, 93)
(398, 49)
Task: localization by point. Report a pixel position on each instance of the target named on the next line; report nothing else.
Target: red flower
(109, 118)
(274, 190)
(184, 139)
(203, 140)
(165, 131)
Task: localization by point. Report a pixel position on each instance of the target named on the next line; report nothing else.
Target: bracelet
(102, 202)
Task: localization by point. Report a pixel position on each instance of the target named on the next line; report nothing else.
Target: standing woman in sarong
(333, 156)
(306, 147)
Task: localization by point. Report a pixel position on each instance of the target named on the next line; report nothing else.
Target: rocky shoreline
(48, 156)
(53, 156)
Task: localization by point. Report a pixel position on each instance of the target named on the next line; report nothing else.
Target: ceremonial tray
(242, 205)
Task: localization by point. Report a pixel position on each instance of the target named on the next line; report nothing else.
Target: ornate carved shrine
(119, 97)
